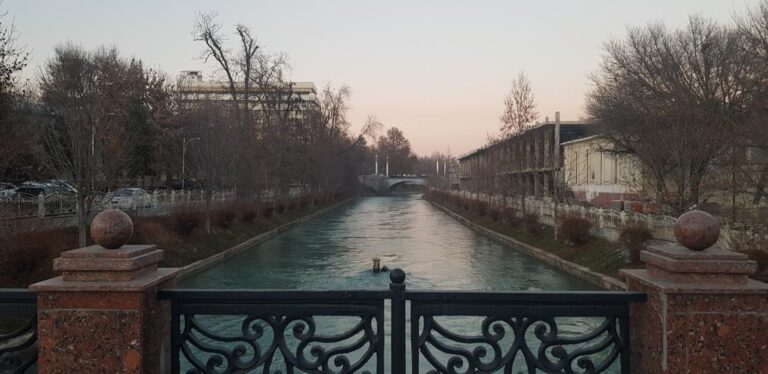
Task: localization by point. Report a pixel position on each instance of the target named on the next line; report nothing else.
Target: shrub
(304, 202)
(752, 241)
(291, 205)
(28, 249)
(510, 216)
(633, 237)
(746, 239)
(18, 260)
(495, 214)
(575, 229)
(147, 232)
(531, 223)
(185, 220)
(249, 214)
(224, 216)
(280, 208)
(267, 210)
(761, 257)
(481, 207)
(22, 253)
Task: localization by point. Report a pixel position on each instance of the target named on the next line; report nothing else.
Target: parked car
(128, 198)
(7, 190)
(29, 190)
(61, 186)
(188, 184)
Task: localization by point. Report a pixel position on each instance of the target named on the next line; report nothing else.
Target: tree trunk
(733, 184)
(82, 224)
(556, 202)
(208, 215)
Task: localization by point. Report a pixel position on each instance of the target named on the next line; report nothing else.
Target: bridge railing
(345, 331)
(18, 331)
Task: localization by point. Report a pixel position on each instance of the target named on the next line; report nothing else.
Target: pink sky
(438, 70)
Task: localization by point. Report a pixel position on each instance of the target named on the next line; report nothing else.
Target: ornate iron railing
(515, 330)
(18, 331)
(234, 331)
(276, 328)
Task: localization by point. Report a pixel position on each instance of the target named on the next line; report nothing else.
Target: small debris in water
(377, 265)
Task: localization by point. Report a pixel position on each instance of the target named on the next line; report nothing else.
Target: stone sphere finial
(397, 276)
(111, 228)
(697, 230)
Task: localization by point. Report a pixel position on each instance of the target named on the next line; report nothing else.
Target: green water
(334, 251)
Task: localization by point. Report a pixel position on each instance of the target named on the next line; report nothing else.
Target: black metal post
(624, 331)
(175, 339)
(397, 285)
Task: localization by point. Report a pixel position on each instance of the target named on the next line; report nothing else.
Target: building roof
(569, 130)
(223, 87)
(585, 139)
(192, 81)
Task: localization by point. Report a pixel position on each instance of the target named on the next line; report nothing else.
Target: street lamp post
(184, 157)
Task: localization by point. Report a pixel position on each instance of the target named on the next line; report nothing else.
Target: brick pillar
(103, 315)
(703, 315)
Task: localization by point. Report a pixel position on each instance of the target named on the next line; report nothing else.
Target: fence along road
(158, 203)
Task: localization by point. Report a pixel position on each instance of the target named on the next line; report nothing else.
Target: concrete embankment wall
(206, 263)
(569, 267)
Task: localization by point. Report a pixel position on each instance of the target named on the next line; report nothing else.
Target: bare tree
(163, 142)
(395, 147)
(519, 107)
(16, 137)
(235, 67)
(672, 100)
(370, 129)
(239, 70)
(333, 153)
(210, 155)
(281, 115)
(750, 172)
(334, 104)
(88, 137)
(13, 58)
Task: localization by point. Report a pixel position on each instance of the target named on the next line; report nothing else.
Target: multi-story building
(597, 177)
(526, 163)
(296, 97)
(583, 169)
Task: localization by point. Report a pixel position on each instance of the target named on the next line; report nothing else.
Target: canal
(335, 251)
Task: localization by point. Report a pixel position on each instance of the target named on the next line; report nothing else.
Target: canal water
(335, 251)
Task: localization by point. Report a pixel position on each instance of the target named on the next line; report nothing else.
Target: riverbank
(597, 261)
(28, 256)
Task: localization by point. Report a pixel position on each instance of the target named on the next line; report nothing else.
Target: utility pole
(556, 172)
(377, 165)
(184, 157)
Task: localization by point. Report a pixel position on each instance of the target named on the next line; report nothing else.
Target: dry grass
(28, 249)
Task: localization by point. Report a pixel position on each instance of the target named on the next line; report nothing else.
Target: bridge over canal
(383, 184)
